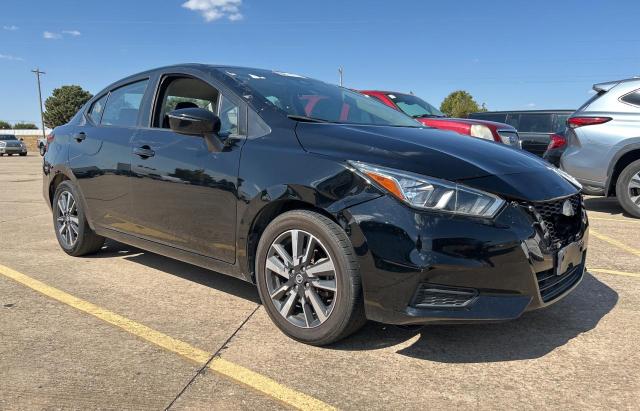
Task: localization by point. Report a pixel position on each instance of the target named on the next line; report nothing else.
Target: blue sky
(508, 54)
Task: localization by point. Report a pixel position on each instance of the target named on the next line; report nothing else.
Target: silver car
(603, 138)
(10, 145)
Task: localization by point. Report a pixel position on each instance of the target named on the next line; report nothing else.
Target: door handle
(144, 152)
(80, 136)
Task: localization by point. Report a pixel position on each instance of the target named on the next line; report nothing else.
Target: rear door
(183, 194)
(100, 154)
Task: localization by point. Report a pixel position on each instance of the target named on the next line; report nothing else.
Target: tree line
(65, 102)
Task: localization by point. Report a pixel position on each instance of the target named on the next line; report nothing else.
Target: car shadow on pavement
(607, 205)
(208, 278)
(533, 335)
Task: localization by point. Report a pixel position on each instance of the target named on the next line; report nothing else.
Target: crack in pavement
(214, 355)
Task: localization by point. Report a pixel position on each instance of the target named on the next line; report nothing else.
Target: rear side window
(97, 108)
(123, 105)
(536, 123)
(499, 118)
(632, 98)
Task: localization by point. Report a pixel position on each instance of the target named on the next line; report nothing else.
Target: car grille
(552, 286)
(560, 230)
(429, 296)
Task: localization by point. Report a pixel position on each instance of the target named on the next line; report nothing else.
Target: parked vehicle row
(535, 127)
(430, 116)
(10, 145)
(338, 208)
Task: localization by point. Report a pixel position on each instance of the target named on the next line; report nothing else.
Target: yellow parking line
(228, 369)
(604, 271)
(621, 220)
(615, 242)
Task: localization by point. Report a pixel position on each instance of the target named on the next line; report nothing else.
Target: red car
(430, 116)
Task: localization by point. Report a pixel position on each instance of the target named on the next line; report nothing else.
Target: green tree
(4, 125)
(25, 126)
(63, 104)
(460, 104)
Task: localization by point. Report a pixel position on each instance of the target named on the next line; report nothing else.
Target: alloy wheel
(67, 221)
(301, 278)
(634, 189)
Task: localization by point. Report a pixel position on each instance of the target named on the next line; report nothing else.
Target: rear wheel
(72, 230)
(628, 189)
(23, 154)
(308, 278)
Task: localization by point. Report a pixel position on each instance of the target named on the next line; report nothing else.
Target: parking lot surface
(129, 329)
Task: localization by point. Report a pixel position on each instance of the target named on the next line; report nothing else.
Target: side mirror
(197, 122)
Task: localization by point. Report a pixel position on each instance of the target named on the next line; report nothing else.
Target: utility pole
(38, 73)
(340, 71)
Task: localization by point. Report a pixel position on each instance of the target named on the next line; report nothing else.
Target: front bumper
(12, 150)
(473, 270)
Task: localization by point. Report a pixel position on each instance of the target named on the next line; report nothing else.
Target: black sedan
(338, 208)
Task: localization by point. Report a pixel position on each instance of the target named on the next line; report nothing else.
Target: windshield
(301, 97)
(414, 106)
(5, 138)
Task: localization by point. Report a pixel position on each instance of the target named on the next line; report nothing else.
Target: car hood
(478, 163)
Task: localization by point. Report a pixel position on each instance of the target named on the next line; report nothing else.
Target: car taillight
(50, 138)
(575, 122)
(557, 141)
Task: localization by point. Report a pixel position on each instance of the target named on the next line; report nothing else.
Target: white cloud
(216, 9)
(10, 57)
(531, 105)
(74, 33)
(10, 28)
(51, 36)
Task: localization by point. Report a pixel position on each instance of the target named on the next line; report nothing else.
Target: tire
(74, 235)
(628, 189)
(341, 311)
(43, 150)
(23, 154)
(10, 154)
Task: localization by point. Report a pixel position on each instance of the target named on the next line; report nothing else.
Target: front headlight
(431, 194)
(480, 131)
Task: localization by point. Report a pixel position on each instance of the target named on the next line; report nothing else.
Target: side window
(561, 122)
(124, 104)
(513, 120)
(632, 98)
(183, 92)
(95, 112)
(536, 123)
(229, 118)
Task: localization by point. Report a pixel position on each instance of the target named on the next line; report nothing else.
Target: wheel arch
(624, 159)
(267, 214)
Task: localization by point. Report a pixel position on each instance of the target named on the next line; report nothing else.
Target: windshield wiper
(307, 119)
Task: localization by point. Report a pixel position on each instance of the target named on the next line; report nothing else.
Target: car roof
(606, 86)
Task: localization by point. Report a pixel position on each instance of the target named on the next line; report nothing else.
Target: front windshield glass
(414, 106)
(5, 138)
(300, 96)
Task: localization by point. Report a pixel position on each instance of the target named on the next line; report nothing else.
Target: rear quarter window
(632, 98)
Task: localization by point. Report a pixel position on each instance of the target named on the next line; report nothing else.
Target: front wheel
(308, 278)
(628, 189)
(74, 235)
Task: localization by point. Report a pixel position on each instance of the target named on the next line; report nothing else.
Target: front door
(183, 194)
